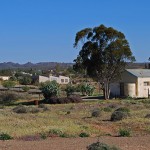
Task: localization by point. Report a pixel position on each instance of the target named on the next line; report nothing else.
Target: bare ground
(125, 143)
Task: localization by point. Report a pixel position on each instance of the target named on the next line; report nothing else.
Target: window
(62, 80)
(147, 83)
(66, 80)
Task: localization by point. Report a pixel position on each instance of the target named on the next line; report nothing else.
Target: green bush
(26, 88)
(101, 146)
(43, 135)
(55, 132)
(118, 115)
(23, 109)
(25, 80)
(8, 84)
(5, 136)
(69, 90)
(96, 113)
(83, 134)
(87, 89)
(124, 132)
(50, 89)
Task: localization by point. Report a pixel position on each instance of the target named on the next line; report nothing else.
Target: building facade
(133, 83)
(59, 79)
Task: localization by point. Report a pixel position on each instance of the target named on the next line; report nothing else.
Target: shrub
(43, 136)
(8, 84)
(26, 88)
(25, 80)
(96, 113)
(70, 99)
(55, 132)
(5, 136)
(8, 97)
(87, 89)
(69, 90)
(101, 146)
(124, 132)
(118, 115)
(20, 109)
(50, 89)
(83, 134)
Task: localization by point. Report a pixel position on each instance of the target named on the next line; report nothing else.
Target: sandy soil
(125, 143)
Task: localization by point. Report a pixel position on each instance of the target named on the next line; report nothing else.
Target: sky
(44, 30)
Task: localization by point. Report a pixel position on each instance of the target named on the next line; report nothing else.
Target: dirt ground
(125, 143)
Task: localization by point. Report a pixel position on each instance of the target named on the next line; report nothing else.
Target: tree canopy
(104, 53)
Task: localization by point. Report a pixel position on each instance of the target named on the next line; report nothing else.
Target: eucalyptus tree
(104, 54)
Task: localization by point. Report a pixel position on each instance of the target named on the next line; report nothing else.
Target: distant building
(133, 83)
(59, 79)
(4, 78)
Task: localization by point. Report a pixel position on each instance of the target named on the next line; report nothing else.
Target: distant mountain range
(29, 65)
(51, 65)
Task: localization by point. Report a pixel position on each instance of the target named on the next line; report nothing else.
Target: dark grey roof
(139, 72)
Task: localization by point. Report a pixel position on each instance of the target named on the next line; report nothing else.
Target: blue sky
(44, 30)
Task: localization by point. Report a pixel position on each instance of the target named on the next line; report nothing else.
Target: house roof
(139, 72)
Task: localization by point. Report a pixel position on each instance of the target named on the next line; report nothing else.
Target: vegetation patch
(5, 136)
(101, 146)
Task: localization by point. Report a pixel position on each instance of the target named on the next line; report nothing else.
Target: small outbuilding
(133, 83)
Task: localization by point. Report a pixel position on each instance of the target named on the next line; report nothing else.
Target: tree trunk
(106, 90)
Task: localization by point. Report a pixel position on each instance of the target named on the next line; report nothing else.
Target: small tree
(50, 89)
(8, 84)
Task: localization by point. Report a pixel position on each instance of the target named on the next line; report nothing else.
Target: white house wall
(142, 89)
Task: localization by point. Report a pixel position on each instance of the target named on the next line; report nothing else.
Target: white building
(133, 83)
(4, 78)
(59, 79)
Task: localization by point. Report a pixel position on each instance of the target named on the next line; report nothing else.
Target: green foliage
(83, 134)
(55, 132)
(8, 84)
(69, 90)
(101, 146)
(118, 115)
(103, 55)
(124, 132)
(96, 113)
(25, 80)
(26, 88)
(5, 136)
(87, 89)
(43, 135)
(50, 89)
